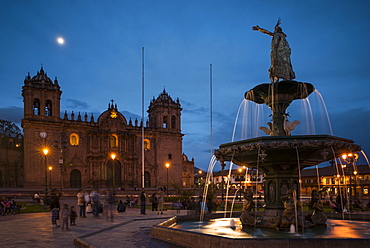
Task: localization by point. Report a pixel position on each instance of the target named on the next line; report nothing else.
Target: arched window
(36, 107)
(165, 121)
(74, 139)
(113, 141)
(146, 144)
(173, 122)
(48, 107)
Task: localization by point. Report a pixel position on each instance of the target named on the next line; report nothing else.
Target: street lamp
(113, 157)
(355, 173)
(167, 166)
(350, 159)
(46, 152)
(50, 169)
(222, 185)
(200, 178)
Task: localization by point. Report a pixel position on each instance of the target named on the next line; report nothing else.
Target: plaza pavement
(129, 229)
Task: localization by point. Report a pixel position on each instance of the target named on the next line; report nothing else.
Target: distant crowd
(104, 202)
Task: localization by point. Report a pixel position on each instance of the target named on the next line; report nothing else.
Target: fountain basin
(312, 149)
(183, 230)
(281, 158)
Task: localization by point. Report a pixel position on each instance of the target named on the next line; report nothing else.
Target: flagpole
(210, 103)
(142, 119)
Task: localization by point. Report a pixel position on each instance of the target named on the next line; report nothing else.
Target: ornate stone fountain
(281, 156)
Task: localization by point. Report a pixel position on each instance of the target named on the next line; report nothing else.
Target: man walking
(142, 201)
(81, 202)
(95, 199)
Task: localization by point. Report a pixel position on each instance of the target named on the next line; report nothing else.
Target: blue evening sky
(101, 58)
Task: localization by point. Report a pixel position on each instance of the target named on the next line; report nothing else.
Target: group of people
(66, 214)
(157, 200)
(8, 206)
(85, 201)
(96, 202)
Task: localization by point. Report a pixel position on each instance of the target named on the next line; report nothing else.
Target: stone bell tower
(41, 126)
(165, 113)
(41, 97)
(164, 132)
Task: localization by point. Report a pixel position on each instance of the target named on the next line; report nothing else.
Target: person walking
(81, 203)
(73, 216)
(142, 201)
(55, 207)
(178, 206)
(65, 213)
(160, 201)
(154, 202)
(109, 204)
(95, 200)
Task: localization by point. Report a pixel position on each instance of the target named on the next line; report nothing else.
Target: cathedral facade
(77, 151)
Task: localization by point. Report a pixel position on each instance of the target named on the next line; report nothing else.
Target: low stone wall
(164, 231)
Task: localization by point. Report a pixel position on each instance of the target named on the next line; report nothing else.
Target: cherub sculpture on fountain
(317, 216)
(247, 218)
(292, 211)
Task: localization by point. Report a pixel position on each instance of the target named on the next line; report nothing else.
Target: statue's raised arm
(262, 30)
(281, 66)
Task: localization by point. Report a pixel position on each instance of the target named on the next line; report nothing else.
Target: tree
(11, 139)
(9, 130)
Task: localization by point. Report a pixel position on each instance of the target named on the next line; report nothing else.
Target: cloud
(189, 107)
(13, 114)
(129, 115)
(75, 104)
(353, 124)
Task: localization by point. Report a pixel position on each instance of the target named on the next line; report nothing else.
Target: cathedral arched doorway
(114, 174)
(147, 183)
(75, 179)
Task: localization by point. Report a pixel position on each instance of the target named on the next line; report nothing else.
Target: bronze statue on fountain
(280, 155)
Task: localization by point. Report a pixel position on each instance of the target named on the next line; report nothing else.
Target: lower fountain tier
(285, 151)
(282, 158)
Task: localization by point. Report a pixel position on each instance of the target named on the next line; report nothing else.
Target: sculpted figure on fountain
(247, 218)
(281, 66)
(317, 216)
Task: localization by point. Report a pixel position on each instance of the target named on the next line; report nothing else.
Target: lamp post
(222, 185)
(46, 152)
(50, 169)
(113, 157)
(350, 159)
(167, 166)
(200, 178)
(355, 173)
(62, 144)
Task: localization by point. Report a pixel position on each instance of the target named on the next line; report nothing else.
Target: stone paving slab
(134, 233)
(129, 229)
(35, 230)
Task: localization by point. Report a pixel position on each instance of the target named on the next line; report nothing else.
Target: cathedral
(78, 151)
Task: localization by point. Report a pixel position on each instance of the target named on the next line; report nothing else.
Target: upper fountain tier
(278, 96)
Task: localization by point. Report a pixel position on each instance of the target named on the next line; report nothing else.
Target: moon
(60, 40)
